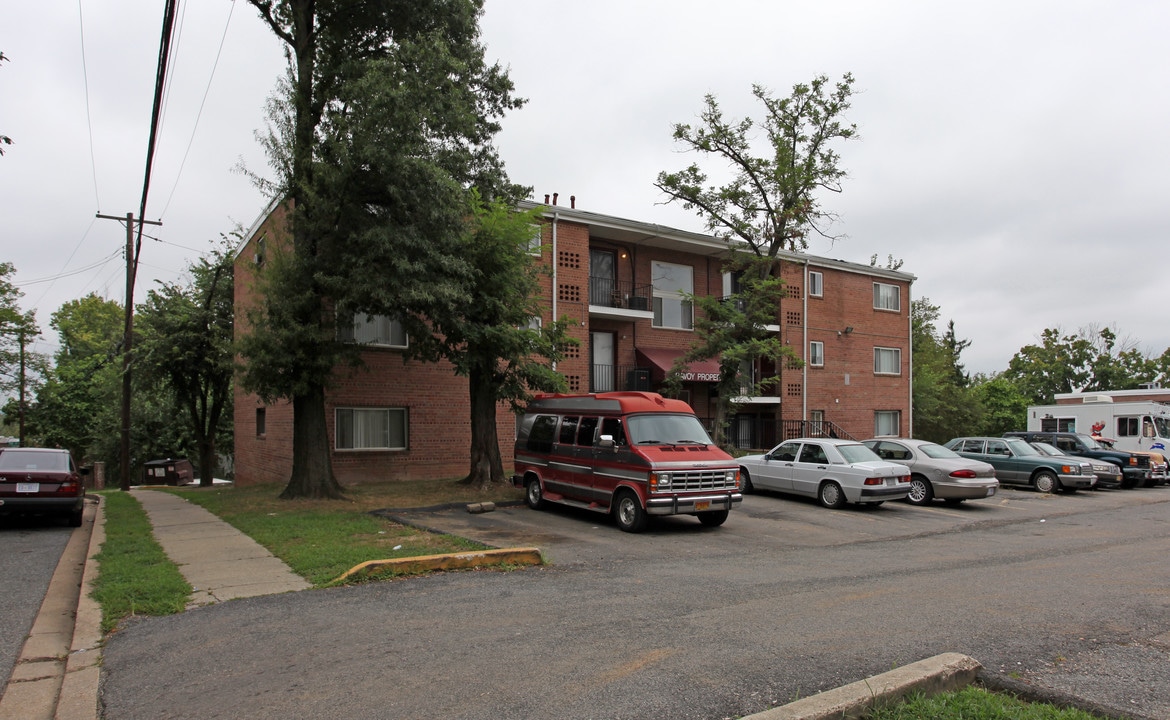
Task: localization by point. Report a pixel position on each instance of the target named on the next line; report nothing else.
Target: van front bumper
(692, 503)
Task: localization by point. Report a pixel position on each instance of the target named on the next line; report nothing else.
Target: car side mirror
(606, 441)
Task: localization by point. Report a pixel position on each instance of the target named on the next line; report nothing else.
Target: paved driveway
(1067, 593)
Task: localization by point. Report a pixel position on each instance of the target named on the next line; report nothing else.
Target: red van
(632, 454)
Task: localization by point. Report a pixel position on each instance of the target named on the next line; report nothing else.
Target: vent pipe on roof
(573, 202)
(546, 198)
(555, 195)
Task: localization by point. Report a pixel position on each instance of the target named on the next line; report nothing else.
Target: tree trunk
(312, 469)
(206, 461)
(486, 465)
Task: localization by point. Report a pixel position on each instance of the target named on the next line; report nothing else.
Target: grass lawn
(975, 703)
(321, 539)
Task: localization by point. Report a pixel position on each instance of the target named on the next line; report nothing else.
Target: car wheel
(921, 493)
(1045, 481)
(628, 513)
(533, 495)
(714, 518)
(75, 517)
(832, 496)
(745, 481)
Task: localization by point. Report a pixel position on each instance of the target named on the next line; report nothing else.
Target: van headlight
(660, 482)
(731, 477)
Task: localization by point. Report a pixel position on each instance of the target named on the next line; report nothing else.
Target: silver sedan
(832, 471)
(936, 472)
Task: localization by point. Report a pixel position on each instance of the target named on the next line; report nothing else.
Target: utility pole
(128, 339)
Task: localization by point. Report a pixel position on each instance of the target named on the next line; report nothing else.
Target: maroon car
(40, 481)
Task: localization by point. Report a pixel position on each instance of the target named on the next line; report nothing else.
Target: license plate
(28, 487)
(990, 491)
(703, 505)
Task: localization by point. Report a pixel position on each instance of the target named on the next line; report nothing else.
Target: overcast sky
(1012, 154)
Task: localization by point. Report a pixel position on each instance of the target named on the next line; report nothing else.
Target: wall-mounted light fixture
(846, 331)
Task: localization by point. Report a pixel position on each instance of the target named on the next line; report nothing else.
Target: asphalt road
(1062, 593)
(29, 551)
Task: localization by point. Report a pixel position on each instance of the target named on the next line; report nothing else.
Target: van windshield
(666, 429)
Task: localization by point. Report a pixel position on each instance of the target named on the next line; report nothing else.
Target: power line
(88, 119)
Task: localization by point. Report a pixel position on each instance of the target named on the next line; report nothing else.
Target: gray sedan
(830, 470)
(936, 472)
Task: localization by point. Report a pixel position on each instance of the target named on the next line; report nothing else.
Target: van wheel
(628, 513)
(533, 496)
(714, 518)
(831, 495)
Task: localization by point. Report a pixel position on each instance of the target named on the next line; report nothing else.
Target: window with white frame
(887, 361)
(373, 330)
(816, 284)
(671, 285)
(816, 353)
(886, 297)
(536, 240)
(534, 323)
(887, 423)
(370, 429)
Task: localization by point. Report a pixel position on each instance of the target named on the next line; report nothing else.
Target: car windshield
(667, 429)
(1019, 447)
(857, 453)
(938, 452)
(23, 460)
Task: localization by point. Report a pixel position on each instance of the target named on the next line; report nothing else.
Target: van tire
(533, 494)
(628, 512)
(713, 518)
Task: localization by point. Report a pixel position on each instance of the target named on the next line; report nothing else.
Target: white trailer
(1137, 426)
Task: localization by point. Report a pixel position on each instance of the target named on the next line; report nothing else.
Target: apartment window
(534, 323)
(373, 330)
(261, 421)
(370, 429)
(816, 354)
(886, 297)
(887, 423)
(672, 283)
(887, 361)
(816, 284)
(535, 240)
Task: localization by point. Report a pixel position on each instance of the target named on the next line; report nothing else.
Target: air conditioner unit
(1091, 399)
(638, 379)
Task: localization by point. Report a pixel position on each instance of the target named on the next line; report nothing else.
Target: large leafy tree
(488, 336)
(384, 122)
(18, 328)
(185, 350)
(77, 407)
(944, 405)
(770, 204)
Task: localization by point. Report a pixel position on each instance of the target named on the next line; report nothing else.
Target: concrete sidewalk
(220, 562)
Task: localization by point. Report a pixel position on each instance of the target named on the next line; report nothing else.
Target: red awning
(661, 361)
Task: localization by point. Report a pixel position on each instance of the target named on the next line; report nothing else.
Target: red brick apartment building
(621, 282)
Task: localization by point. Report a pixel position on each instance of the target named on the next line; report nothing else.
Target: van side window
(613, 427)
(586, 431)
(568, 430)
(540, 439)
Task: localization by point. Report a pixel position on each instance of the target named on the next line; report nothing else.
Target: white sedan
(830, 470)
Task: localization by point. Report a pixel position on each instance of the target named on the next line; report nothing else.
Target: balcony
(621, 299)
(610, 378)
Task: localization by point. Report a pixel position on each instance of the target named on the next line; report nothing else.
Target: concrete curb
(56, 675)
(941, 673)
(449, 561)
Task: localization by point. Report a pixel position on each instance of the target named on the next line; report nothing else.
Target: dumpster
(172, 471)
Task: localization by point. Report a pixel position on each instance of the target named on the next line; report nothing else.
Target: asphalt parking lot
(1068, 595)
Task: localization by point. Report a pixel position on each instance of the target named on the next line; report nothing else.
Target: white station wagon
(832, 471)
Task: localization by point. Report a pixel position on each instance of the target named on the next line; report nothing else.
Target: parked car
(936, 472)
(1016, 462)
(1107, 474)
(831, 470)
(1054, 452)
(1159, 467)
(1135, 468)
(41, 481)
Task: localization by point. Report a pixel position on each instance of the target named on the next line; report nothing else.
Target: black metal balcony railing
(610, 378)
(607, 292)
(813, 428)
